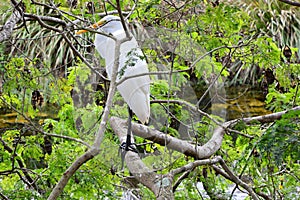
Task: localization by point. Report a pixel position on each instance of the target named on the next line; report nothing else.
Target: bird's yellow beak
(94, 26)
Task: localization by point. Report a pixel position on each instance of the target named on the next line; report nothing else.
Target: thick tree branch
(198, 152)
(7, 28)
(160, 185)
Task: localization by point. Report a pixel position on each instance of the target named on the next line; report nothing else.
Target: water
(237, 195)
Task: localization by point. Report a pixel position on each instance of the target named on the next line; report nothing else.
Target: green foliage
(281, 141)
(40, 59)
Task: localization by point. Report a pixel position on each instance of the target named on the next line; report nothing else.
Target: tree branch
(28, 181)
(29, 17)
(198, 152)
(237, 180)
(95, 150)
(3, 196)
(7, 28)
(293, 3)
(196, 163)
(160, 185)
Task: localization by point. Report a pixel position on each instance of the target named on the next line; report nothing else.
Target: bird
(135, 91)
(72, 3)
(287, 52)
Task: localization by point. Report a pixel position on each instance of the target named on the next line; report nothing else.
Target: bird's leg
(127, 146)
(128, 139)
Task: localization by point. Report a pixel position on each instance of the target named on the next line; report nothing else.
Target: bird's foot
(124, 148)
(128, 147)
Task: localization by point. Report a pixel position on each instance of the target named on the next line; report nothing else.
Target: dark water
(235, 102)
(239, 102)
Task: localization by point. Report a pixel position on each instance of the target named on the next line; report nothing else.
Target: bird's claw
(128, 147)
(124, 148)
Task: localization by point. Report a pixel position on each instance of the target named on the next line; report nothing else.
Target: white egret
(135, 91)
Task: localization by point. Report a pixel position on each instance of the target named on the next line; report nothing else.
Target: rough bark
(7, 28)
(160, 185)
(198, 152)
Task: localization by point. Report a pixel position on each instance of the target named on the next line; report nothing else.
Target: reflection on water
(237, 195)
(12, 119)
(239, 103)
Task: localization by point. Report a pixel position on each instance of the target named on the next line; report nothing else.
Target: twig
(195, 109)
(213, 81)
(190, 167)
(237, 180)
(28, 181)
(3, 196)
(180, 179)
(122, 18)
(196, 163)
(29, 16)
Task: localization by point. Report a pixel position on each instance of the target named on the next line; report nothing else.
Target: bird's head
(108, 24)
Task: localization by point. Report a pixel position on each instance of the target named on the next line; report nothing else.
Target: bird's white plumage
(135, 91)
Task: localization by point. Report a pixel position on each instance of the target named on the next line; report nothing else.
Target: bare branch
(176, 144)
(237, 180)
(265, 118)
(29, 17)
(198, 152)
(293, 3)
(196, 163)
